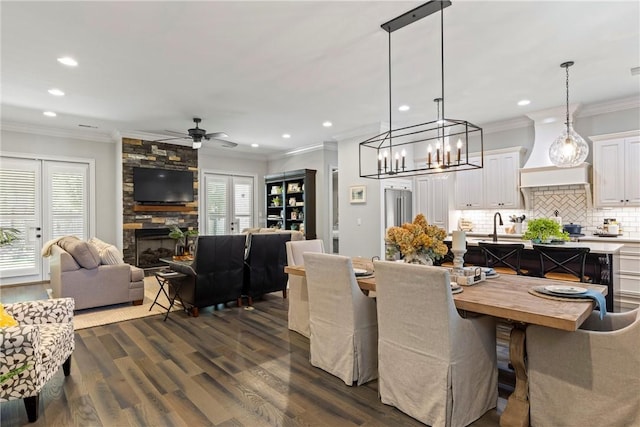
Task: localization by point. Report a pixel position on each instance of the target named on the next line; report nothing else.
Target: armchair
(265, 262)
(216, 273)
(32, 352)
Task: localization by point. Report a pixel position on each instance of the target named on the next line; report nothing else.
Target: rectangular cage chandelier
(441, 145)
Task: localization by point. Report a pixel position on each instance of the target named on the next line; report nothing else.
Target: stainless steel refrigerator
(397, 207)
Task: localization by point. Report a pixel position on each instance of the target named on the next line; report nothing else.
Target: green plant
(276, 201)
(181, 236)
(8, 235)
(544, 229)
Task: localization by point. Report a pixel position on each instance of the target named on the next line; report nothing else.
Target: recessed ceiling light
(524, 102)
(68, 61)
(286, 135)
(549, 120)
(327, 124)
(255, 145)
(56, 92)
(404, 108)
(49, 114)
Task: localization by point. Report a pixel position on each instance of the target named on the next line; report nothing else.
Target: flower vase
(418, 259)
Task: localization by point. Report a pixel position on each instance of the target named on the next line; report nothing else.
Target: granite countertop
(596, 245)
(587, 238)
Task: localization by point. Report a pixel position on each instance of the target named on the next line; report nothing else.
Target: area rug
(120, 312)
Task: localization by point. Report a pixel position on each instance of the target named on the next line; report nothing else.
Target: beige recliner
(588, 377)
(77, 271)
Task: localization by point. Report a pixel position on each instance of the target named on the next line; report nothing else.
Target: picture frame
(358, 194)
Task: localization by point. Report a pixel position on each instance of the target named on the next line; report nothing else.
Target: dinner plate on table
(565, 290)
(362, 272)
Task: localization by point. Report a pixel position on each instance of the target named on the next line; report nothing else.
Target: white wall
(104, 155)
(360, 230)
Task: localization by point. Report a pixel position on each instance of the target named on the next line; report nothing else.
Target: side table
(165, 279)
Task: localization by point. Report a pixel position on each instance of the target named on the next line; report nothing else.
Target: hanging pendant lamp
(414, 144)
(569, 149)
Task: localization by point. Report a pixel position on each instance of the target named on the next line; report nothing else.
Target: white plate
(492, 276)
(570, 290)
(360, 271)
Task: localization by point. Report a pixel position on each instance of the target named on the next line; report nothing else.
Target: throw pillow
(6, 319)
(101, 245)
(111, 256)
(85, 254)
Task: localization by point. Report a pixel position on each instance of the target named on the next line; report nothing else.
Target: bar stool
(570, 261)
(502, 254)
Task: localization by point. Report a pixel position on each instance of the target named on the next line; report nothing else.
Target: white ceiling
(256, 70)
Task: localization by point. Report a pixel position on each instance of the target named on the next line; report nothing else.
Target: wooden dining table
(508, 297)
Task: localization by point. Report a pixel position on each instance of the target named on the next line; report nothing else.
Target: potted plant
(182, 239)
(544, 230)
(276, 201)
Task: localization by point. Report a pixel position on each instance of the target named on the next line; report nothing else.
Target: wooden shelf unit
(296, 191)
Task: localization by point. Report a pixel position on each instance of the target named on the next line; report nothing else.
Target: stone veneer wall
(136, 152)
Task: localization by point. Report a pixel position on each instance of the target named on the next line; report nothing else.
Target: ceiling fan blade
(216, 135)
(171, 139)
(173, 132)
(223, 143)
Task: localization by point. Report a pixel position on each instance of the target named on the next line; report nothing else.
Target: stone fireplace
(146, 227)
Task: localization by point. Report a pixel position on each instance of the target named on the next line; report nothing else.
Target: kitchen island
(599, 265)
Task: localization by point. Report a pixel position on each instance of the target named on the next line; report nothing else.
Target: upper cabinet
(433, 199)
(616, 175)
(495, 186)
(502, 180)
(468, 188)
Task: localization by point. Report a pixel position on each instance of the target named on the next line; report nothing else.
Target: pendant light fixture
(415, 144)
(569, 149)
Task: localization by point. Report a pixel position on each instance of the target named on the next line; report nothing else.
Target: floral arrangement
(417, 241)
(544, 230)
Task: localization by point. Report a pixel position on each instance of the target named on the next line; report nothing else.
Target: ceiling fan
(197, 134)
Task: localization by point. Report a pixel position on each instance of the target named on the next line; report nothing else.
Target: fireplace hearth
(153, 244)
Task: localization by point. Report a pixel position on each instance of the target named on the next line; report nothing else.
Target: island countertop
(594, 246)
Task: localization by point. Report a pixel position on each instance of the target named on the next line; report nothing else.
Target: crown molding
(84, 135)
(503, 125)
(324, 146)
(609, 106)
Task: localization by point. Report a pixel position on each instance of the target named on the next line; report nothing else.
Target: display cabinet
(291, 201)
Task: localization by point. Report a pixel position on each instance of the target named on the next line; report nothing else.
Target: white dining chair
(588, 377)
(342, 320)
(434, 365)
(298, 294)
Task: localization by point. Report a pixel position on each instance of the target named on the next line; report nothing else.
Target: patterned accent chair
(32, 352)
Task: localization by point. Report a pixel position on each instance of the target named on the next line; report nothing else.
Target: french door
(43, 200)
(228, 203)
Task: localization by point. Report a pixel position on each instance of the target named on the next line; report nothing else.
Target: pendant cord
(390, 127)
(567, 85)
(442, 56)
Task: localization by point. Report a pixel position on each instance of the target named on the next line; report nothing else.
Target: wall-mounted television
(162, 185)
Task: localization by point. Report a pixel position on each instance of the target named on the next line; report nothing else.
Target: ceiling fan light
(196, 144)
(568, 150)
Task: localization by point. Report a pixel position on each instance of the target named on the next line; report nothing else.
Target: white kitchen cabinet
(616, 175)
(432, 199)
(628, 275)
(469, 188)
(502, 180)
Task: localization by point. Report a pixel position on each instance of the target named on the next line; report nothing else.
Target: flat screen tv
(162, 185)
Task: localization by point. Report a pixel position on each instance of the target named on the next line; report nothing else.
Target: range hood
(539, 171)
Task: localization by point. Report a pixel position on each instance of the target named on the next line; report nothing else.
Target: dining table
(511, 298)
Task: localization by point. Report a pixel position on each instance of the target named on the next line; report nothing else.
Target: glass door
(228, 203)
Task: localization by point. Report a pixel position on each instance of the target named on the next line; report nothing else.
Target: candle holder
(458, 261)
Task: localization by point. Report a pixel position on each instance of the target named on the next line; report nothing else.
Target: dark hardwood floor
(229, 367)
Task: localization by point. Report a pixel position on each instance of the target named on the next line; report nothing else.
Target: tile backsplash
(571, 203)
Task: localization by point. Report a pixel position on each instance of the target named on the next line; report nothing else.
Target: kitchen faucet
(495, 231)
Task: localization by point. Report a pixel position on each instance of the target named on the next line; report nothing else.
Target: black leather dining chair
(562, 263)
(505, 255)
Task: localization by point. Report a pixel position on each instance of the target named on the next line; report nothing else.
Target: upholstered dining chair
(342, 320)
(298, 293)
(434, 365)
(588, 377)
(502, 257)
(33, 350)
